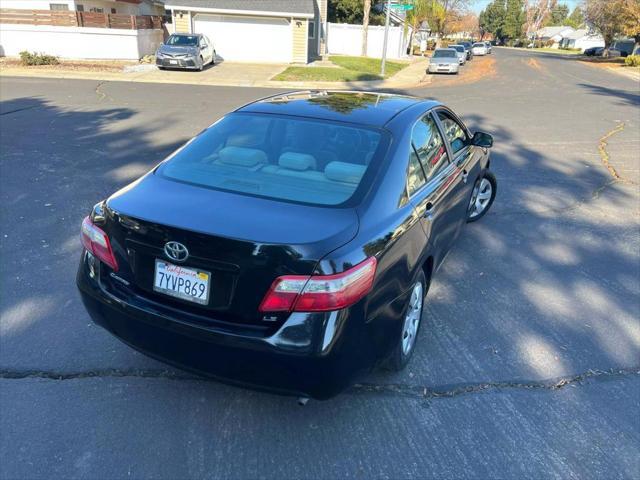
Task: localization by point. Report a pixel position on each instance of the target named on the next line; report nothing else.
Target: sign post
(396, 6)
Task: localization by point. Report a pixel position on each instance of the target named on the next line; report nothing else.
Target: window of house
(454, 132)
(113, 10)
(96, 10)
(312, 29)
(80, 8)
(429, 146)
(58, 6)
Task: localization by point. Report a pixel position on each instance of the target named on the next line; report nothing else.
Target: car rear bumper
(311, 354)
(184, 63)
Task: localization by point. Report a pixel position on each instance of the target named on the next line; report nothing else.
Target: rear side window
(278, 157)
(429, 146)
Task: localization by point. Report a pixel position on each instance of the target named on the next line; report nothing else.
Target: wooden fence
(80, 19)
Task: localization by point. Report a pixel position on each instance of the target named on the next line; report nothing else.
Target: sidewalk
(225, 74)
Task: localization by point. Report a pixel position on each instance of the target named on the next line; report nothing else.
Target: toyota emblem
(176, 251)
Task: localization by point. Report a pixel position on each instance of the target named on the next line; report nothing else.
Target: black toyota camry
(290, 245)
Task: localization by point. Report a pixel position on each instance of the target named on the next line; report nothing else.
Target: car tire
(478, 206)
(410, 326)
(161, 68)
(201, 66)
(213, 58)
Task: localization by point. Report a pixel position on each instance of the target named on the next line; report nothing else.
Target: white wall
(33, 4)
(79, 42)
(345, 39)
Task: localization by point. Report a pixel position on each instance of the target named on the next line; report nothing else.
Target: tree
(576, 19)
(606, 16)
(558, 15)
(514, 19)
(492, 18)
(631, 19)
(352, 11)
(365, 26)
(537, 12)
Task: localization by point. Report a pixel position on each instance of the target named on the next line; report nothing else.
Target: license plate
(180, 282)
(173, 62)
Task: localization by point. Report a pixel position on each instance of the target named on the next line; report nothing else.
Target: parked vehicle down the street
(444, 60)
(468, 48)
(462, 54)
(290, 245)
(186, 51)
(594, 51)
(479, 48)
(488, 45)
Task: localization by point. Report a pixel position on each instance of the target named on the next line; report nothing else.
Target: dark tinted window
(429, 145)
(454, 132)
(277, 157)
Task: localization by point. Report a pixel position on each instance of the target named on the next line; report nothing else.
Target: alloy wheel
(412, 319)
(480, 198)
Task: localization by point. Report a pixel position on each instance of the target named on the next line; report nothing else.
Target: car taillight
(97, 242)
(320, 293)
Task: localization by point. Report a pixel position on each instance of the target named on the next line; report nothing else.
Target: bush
(632, 61)
(35, 58)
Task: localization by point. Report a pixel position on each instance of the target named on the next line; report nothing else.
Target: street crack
(401, 389)
(455, 390)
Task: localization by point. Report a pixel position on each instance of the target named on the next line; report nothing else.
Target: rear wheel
(406, 342)
(201, 66)
(484, 192)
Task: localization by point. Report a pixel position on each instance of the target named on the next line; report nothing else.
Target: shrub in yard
(632, 61)
(35, 58)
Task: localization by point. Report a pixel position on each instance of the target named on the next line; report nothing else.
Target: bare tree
(365, 26)
(537, 13)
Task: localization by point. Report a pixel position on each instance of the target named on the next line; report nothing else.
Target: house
(582, 38)
(124, 7)
(555, 34)
(278, 31)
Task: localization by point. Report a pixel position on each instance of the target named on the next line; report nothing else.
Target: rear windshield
(479, 45)
(458, 48)
(278, 157)
(445, 53)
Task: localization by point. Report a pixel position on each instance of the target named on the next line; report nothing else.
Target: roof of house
(297, 7)
(553, 31)
(583, 32)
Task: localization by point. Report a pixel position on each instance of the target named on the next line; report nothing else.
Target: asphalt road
(528, 361)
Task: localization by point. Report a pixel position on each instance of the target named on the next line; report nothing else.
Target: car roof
(359, 107)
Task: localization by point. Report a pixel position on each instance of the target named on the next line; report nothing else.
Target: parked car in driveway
(479, 48)
(186, 51)
(462, 54)
(290, 245)
(444, 60)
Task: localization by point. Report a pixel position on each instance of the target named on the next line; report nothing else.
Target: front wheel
(484, 192)
(406, 341)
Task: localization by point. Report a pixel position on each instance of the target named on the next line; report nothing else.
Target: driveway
(527, 364)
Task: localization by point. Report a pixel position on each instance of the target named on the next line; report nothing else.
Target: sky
(479, 5)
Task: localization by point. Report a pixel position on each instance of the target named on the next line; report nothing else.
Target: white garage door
(247, 39)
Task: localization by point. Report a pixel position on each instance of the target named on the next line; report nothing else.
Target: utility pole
(386, 38)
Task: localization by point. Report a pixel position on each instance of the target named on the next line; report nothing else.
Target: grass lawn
(350, 69)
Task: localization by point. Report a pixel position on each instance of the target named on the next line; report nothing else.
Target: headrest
(242, 157)
(344, 172)
(297, 161)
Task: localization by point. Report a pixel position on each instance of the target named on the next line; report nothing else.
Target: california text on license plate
(180, 282)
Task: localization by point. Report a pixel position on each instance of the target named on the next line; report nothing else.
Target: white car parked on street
(479, 48)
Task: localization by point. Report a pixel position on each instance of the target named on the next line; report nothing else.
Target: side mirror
(203, 47)
(481, 139)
